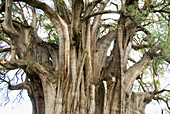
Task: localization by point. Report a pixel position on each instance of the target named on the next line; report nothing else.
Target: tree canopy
(74, 50)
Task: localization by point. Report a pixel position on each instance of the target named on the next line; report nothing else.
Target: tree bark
(76, 76)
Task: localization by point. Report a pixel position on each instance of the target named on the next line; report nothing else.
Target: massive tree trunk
(76, 76)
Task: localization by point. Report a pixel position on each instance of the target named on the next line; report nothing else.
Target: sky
(22, 107)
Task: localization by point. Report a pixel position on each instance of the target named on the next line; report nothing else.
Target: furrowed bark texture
(76, 76)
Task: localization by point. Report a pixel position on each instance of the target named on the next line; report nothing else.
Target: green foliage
(158, 27)
(42, 17)
(52, 35)
(55, 40)
(135, 13)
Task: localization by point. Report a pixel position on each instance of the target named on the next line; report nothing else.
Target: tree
(69, 71)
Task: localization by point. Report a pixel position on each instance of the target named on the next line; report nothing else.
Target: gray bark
(76, 76)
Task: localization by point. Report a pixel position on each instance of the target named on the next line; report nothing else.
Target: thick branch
(24, 85)
(77, 10)
(136, 70)
(102, 48)
(107, 39)
(60, 26)
(17, 87)
(7, 24)
(167, 60)
(34, 20)
(95, 25)
(82, 64)
(88, 62)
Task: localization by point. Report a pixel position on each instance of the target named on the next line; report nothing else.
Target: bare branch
(165, 101)
(100, 13)
(115, 5)
(141, 46)
(161, 91)
(16, 87)
(86, 3)
(129, 58)
(5, 40)
(3, 80)
(161, 11)
(142, 86)
(142, 28)
(5, 50)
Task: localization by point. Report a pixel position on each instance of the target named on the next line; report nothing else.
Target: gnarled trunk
(84, 99)
(76, 76)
